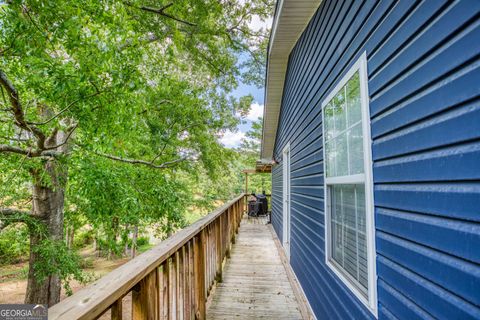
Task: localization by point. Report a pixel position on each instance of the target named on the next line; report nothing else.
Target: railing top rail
(93, 300)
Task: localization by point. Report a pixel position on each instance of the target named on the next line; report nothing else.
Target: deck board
(255, 284)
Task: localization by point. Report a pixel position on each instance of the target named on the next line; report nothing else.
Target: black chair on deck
(263, 204)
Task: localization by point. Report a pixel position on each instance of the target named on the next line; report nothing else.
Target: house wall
(424, 86)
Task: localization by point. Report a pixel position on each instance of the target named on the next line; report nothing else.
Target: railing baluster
(183, 281)
(116, 310)
(178, 285)
(211, 256)
(207, 262)
(144, 298)
(234, 225)
(171, 289)
(199, 265)
(191, 271)
(229, 231)
(218, 250)
(163, 288)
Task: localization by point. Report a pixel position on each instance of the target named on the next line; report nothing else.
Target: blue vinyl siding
(424, 99)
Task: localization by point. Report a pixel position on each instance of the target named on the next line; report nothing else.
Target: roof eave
(291, 18)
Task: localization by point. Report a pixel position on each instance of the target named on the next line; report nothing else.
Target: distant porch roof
(260, 167)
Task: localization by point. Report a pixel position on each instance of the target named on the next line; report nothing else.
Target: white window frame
(366, 178)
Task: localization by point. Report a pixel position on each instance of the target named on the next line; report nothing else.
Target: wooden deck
(255, 283)
(174, 279)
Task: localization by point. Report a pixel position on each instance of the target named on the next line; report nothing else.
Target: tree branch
(18, 110)
(64, 109)
(14, 139)
(11, 212)
(69, 134)
(161, 12)
(9, 215)
(164, 165)
(31, 153)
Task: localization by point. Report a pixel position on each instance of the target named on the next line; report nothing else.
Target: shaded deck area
(255, 283)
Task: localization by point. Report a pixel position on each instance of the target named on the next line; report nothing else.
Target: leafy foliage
(14, 244)
(57, 259)
(96, 94)
(250, 153)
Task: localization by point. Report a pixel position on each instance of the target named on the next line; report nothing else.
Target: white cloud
(256, 111)
(232, 139)
(257, 24)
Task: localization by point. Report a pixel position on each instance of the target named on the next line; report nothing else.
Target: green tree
(249, 154)
(136, 82)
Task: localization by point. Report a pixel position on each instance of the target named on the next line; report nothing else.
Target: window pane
(353, 100)
(330, 158)
(355, 148)
(337, 223)
(340, 114)
(329, 122)
(341, 155)
(343, 124)
(348, 240)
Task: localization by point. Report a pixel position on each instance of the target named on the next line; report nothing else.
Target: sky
(232, 139)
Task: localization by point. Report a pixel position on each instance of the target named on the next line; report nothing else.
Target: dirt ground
(13, 282)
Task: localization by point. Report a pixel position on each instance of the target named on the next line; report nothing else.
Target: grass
(145, 247)
(13, 272)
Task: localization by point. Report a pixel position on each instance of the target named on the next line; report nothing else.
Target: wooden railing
(170, 281)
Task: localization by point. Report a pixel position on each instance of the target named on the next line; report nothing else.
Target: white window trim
(367, 178)
(286, 203)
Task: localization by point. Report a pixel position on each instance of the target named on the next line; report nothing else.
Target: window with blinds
(348, 238)
(347, 184)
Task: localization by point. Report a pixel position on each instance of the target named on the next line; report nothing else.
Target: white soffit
(291, 18)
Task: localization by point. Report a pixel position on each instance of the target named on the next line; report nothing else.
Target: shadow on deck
(255, 283)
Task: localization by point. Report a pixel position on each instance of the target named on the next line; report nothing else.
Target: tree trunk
(95, 243)
(126, 252)
(134, 241)
(48, 206)
(48, 201)
(69, 234)
(112, 237)
(71, 237)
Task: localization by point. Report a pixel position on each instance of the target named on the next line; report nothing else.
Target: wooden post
(179, 284)
(208, 267)
(116, 310)
(186, 281)
(246, 183)
(191, 271)
(171, 288)
(144, 298)
(199, 257)
(218, 247)
(233, 220)
(236, 216)
(229, 232)
(163, 290)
